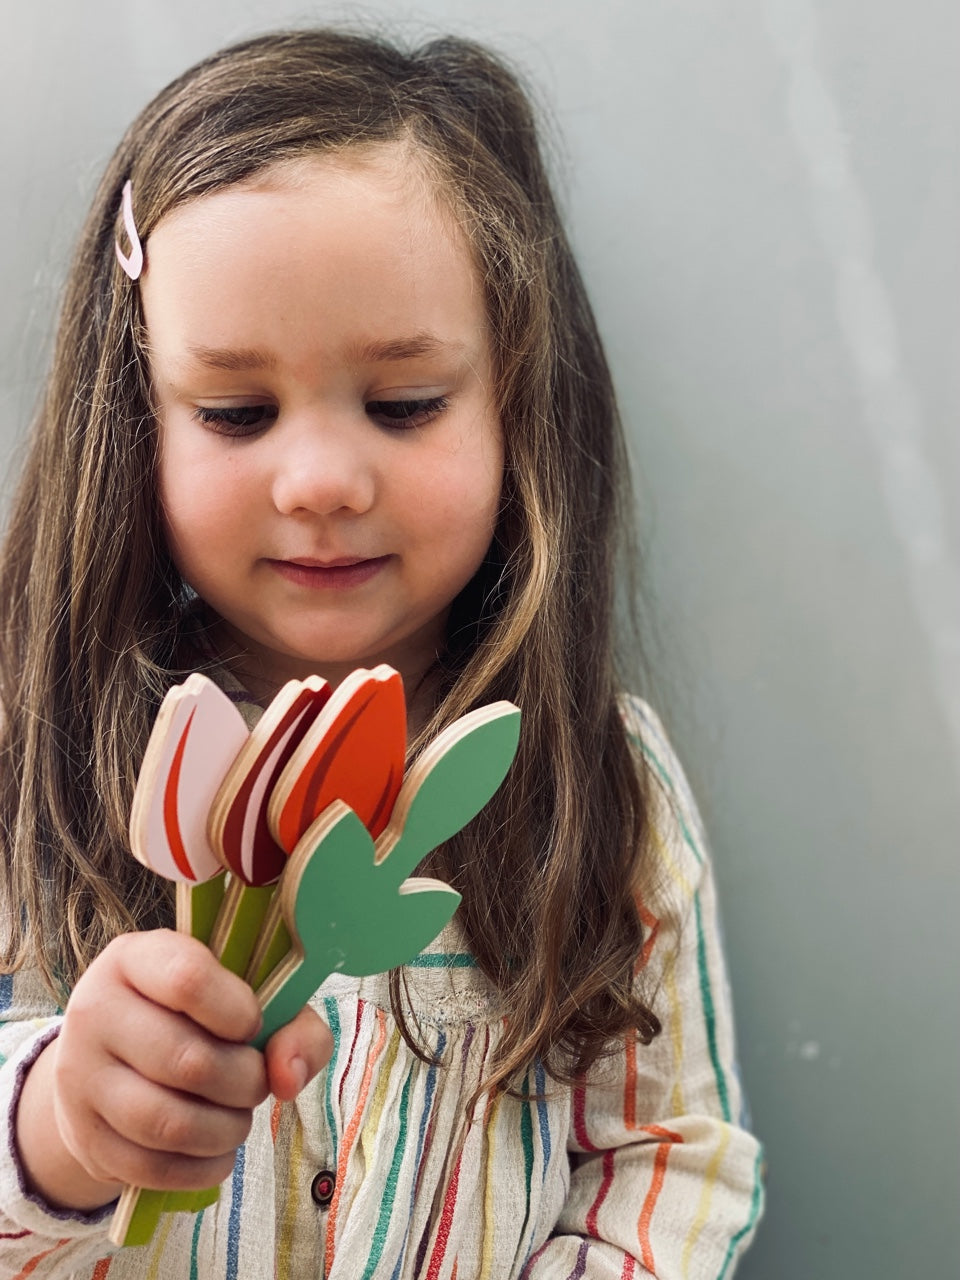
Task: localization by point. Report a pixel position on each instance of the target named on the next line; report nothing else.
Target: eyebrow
(420, 344)
(239, 359)
(233, 360)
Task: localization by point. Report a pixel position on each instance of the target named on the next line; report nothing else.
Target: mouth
(337, 572)
(335, 562)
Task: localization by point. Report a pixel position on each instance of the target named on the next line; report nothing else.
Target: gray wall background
(766, 199)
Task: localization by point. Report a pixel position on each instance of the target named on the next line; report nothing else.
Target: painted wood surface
(237, 828)
(355, 752)
(195, 739)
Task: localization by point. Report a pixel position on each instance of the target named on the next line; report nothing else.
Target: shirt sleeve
(35, 1238)
(665, 1176)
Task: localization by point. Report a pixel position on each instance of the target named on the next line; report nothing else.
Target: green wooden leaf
(348, 904)
(348, 915)
(450, 783)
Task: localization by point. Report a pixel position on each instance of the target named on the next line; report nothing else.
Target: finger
(114, 1159)
(181, 974)
(170, 1050)
(296, 1052)
(102, 1136)
(164, 1046)
(161, 1119)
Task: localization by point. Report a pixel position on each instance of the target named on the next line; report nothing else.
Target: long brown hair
(89, 599)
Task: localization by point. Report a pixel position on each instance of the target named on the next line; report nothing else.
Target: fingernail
(299, 1071)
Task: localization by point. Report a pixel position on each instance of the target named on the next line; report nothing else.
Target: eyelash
(402, 415)
(241, 421)
(238, 421)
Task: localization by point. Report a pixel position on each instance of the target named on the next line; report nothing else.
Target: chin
(332, 655)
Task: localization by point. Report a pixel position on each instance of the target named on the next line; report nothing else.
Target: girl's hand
(152, 1081)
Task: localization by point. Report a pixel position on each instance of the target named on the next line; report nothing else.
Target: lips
(337, 572)
(337, 562)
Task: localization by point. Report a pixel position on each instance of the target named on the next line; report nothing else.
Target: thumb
(294, 1054)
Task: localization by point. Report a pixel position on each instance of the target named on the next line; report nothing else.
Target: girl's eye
(237, 420)
(402, 414)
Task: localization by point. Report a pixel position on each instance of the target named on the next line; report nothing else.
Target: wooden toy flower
(348, 901)
(353, 752)
(195, 739)
(320, 830)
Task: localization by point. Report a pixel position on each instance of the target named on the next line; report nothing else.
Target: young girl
(350, 407)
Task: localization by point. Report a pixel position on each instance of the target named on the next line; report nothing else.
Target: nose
(322, 466)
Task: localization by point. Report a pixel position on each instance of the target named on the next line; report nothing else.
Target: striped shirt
(376, 1172)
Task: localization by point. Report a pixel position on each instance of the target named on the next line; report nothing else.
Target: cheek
(459, 507)
(195, 512)
(466, 484)
(201, 495)
(488, 489)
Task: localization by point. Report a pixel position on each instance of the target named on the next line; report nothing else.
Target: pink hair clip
(134, 264)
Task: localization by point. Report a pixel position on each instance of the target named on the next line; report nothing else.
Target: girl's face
(330, 454)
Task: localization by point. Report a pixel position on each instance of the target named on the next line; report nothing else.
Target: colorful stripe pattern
(637, 1170)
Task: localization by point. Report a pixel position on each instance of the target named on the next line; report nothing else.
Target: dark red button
(321, 1188)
